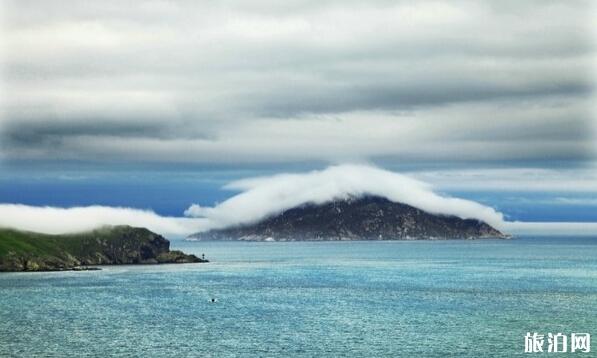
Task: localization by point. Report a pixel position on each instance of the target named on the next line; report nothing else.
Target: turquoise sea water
(311, 299)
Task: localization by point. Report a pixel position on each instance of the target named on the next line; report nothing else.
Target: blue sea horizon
(466, 298)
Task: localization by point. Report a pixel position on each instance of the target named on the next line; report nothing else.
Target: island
(354, 218)
(115, 245)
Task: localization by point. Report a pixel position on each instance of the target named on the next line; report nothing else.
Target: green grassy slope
(27, 251)
(28, 243)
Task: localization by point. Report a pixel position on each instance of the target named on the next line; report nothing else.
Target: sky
(158, 105)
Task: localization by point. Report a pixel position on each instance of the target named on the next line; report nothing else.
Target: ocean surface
(311, 299)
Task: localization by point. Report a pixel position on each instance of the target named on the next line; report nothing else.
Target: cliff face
(362, 218)
(24, 251)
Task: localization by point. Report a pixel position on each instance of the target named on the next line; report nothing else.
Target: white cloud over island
(54, 220)
(264, 196)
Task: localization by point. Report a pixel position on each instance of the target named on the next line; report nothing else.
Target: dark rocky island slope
(355, 218)
(26, 251)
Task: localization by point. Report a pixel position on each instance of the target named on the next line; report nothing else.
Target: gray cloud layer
(297, 80)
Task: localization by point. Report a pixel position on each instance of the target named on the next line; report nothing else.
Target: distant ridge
(355, 218)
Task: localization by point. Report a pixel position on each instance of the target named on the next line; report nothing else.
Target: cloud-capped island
(344, 202)
(355, 218)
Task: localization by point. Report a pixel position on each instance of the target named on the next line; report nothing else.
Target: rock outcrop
(26, 251)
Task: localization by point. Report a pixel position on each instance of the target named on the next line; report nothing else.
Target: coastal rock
(26, 251)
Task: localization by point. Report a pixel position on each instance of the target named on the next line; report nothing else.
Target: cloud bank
(52, 220)
(264, 196)
(271, 81)
(551, 228)
(581, 179)
(261, 197)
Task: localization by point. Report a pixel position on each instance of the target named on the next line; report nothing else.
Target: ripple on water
(309, 299)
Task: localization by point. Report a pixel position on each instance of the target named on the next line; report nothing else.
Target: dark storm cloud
(32, 132)
(298, 80)
(400, 97)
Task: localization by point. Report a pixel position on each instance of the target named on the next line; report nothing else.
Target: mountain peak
(364, 217)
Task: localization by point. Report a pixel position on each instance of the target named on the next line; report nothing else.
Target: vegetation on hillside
(28, 251)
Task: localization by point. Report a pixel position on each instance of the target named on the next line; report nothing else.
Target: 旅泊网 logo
(557, 343)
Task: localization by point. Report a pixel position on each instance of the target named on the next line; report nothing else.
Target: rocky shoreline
(118, 245)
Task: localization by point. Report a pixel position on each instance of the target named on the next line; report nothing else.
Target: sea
(456, 298)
